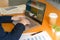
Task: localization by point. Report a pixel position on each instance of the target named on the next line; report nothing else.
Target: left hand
(17, 17)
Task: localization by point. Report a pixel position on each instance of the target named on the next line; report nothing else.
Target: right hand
(25, 21)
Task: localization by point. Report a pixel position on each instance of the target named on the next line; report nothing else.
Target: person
(15, 34)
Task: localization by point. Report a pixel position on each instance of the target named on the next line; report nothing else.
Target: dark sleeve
(4, 19)
(17, 32)
(2, 33)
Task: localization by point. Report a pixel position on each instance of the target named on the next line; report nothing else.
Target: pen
(36, 33)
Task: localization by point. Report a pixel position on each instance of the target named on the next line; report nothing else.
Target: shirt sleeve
(4, 19)
(17, 32)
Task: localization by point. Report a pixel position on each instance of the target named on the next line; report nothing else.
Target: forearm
(17, 31)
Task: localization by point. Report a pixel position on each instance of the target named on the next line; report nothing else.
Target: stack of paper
(13, 9)
(39, 36)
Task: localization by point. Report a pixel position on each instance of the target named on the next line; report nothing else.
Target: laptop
(35, 12)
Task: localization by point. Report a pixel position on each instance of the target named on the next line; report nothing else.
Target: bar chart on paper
(39, 36)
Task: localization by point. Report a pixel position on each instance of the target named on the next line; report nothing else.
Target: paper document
(39, 36)
(13, 9)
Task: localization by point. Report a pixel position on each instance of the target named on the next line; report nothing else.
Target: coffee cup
(53, 18)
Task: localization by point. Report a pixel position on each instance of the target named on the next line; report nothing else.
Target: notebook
(39, 36)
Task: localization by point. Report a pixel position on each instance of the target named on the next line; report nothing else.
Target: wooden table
(4, 3)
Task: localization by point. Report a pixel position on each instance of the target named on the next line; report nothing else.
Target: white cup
(58, 35)
(52, 18)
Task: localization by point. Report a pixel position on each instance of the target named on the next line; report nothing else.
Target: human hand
(18, 17)
(25, 21)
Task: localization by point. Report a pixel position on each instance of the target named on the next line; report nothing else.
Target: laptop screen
(35, 10)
